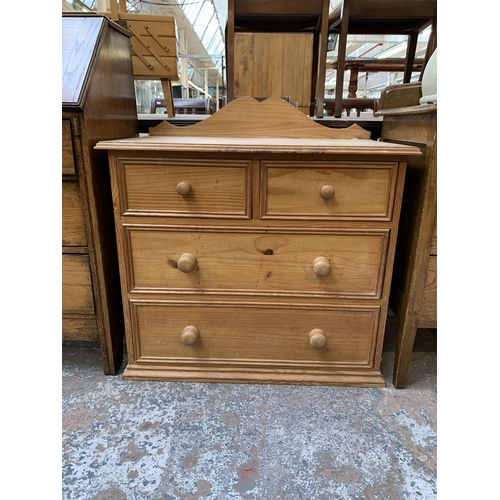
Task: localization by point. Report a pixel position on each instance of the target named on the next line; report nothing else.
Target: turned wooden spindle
(184, 188)
(190, 335)
(187, 263)
(326, 191)
(317, 338)
(321, 267)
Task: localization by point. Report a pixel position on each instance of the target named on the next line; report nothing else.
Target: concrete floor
(127, 440)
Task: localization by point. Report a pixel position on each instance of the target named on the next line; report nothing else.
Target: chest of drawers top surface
(251, 258)
(256, 145)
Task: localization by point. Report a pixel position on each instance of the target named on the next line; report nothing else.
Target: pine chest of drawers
(251, 258)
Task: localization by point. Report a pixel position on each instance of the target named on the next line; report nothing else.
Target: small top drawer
(326, 190)
(184, 188)
(68, 160)
(73, 219)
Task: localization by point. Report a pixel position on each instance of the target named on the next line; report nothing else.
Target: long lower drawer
(267, 262)
(241, 341)
(80, 329)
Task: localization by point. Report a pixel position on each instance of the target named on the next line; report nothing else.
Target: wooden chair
(355, 65)
(184, 106)
(382, 17)
(357, 103)
(279, 63)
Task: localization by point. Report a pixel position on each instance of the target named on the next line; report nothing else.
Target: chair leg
(410, 56)
(230, 41)
(323, 42)
(431, 47)
(314, 75)
(169, 99)
(342, 44)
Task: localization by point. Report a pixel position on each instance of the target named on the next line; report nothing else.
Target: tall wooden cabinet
(414, 289)
(98, 102)
(256, 246)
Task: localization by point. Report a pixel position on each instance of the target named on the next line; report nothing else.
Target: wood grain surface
(252, 270)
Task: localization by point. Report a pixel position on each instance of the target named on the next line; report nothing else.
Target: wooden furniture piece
(256, 246)
(265, 64)
(371, 124)
(184, 106)
(154, 48)
(382, 17)
(355, 65)
(98, 102)
(357, 103)
(414, 290)
(278, 48)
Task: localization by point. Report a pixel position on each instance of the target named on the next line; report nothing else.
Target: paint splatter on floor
(127, 440)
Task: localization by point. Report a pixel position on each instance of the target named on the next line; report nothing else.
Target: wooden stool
(382, 17)
(289, 39)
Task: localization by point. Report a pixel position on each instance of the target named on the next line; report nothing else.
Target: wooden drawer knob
(190, 335)
(317, 338)
(184, 188)
(321, 267)
(187, 263)
(326, 191)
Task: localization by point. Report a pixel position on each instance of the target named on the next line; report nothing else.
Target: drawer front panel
(266, 262)
(360, 191)
(217, 188)
(73, 222)
(153, 42)
(77, 296)
(68, 159)
(255, 332)
(80, 329)
(167, 68)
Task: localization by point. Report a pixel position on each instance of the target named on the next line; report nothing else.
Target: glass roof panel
(204, 21)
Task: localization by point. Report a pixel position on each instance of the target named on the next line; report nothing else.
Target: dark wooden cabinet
(98, 102)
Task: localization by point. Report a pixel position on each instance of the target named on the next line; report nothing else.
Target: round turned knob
(321, 266)
(184, 188)
(326, 191)
(317, 338)
(187, 262)
(190, 335)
